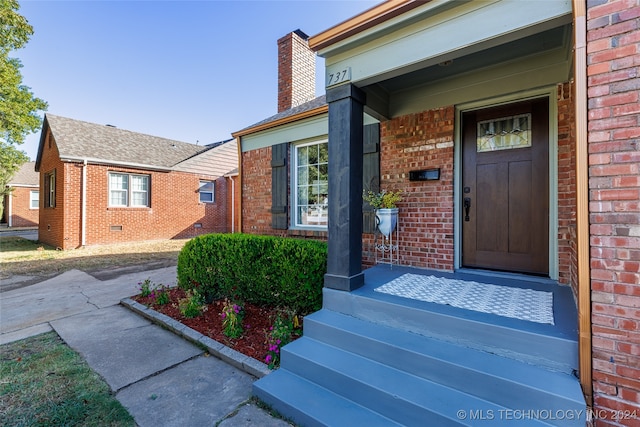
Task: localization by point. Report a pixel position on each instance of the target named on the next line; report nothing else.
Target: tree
(18, 106)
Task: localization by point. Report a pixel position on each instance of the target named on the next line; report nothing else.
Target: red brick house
(511, 127)
(21, 205)
(106, 185)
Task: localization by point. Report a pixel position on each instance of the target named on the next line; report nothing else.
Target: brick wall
(174, 209)
(51, 220)
(21, 213)
(613, 59)
(567, 255)
(296, 71)
(420, 141)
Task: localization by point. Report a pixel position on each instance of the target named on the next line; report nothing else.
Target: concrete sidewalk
(161, 378)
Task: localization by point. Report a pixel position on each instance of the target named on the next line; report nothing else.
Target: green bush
(263, 270)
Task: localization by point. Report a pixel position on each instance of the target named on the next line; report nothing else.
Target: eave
(282, 121)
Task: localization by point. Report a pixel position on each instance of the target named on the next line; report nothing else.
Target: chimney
(296, 71)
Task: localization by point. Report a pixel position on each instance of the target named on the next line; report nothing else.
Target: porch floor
(564, 309)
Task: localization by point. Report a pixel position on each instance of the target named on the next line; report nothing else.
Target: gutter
(582, 201)
(86, 160)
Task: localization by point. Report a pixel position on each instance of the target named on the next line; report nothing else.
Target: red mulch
(257, 321)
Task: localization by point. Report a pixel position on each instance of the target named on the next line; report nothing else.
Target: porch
(372, 358)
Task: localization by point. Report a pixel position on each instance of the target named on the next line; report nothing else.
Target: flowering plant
(232, 315)
(192, 305)
(285, 327)
(382, 200)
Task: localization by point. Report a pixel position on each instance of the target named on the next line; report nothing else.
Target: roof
(310, 108)
(79, 140)
(26, 176)
(363, 21)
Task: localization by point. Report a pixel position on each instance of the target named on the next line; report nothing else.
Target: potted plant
(385, 207)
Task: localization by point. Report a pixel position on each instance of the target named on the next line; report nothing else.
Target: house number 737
(340, 76)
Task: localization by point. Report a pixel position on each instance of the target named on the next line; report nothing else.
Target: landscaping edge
(213, 347)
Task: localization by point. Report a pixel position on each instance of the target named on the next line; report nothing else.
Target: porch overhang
(431, 33)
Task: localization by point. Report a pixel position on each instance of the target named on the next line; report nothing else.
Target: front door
(505, 187)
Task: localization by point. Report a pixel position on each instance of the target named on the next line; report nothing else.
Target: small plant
(285, 327)
(192, 305)
(145, 288)
(382, 200)
(232, 315)
(162, 295)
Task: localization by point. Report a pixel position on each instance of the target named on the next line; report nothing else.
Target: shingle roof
(318, 102)
(77, 139)
(26, 175)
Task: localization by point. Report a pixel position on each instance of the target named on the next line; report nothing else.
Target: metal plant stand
(387, 247)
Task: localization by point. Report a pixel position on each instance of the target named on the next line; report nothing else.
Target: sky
(192, 71)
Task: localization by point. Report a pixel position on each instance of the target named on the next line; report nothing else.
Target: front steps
(348, 371)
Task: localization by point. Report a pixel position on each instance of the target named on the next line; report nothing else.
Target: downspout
(239, 144)
(233, 205)
(582, 199)
(9, 208)
(84, 204)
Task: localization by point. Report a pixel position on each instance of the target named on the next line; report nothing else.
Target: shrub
(263, 270)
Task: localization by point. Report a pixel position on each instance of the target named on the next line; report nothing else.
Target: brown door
(505, 197)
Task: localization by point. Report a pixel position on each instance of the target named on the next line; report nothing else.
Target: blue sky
(185, 70)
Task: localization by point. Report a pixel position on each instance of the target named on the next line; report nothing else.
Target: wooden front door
(505, 188)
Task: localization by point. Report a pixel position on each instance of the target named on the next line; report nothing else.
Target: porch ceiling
(554, 39)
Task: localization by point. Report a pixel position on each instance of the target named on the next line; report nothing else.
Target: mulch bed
(257, 321)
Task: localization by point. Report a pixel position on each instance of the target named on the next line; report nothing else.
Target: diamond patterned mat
(523, 304)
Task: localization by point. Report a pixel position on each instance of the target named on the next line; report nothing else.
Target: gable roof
(310, 108)
(26, 176)
(219, 159)
(78, 140)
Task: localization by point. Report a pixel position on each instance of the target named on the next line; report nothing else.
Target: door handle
(467, 207)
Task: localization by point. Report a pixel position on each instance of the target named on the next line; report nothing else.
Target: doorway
(505, 188)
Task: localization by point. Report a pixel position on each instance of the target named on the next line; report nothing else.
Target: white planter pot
(387, 220)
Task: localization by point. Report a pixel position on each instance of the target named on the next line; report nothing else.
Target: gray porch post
(344, 264)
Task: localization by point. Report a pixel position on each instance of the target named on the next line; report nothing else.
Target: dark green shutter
(279, 186)
(370, 173)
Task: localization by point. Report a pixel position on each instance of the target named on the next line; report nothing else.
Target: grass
(43, 382)
(20, 256)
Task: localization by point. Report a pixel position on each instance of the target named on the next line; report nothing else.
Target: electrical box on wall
(425, 175)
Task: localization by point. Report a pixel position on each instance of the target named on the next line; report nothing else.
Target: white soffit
(434, 33)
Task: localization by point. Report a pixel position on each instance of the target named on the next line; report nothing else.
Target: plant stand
(387, 247)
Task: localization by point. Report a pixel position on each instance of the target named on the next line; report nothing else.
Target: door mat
(523, 304)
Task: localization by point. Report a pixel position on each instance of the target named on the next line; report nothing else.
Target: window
(34, 199)
(50, 189)
(128, 190)
(311, 184)
(207, 192)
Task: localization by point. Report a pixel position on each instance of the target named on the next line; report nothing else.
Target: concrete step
(536, 344)
(310, 405)
(504, 381)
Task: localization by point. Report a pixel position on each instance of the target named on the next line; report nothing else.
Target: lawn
(20, 256)
(43, 382)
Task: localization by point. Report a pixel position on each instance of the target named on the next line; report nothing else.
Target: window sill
(308, 232)
(128, 208)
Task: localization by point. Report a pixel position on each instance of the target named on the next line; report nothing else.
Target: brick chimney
(296, 71)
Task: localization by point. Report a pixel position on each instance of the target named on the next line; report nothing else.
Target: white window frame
(128, 190)
(34, 196)
(212, 192)
(322, 208)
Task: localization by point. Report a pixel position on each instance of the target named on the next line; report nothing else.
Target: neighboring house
(512, 129)
(22, 203)
(106, 185)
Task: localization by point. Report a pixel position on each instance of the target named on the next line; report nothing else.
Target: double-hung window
(207, 192)
(311, 183)
(128, 190)
(50, 189)
(34, 199)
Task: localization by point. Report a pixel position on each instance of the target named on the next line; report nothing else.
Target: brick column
(344, 264)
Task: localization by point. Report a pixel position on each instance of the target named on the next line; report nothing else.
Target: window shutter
(370, 173)
(279, 186)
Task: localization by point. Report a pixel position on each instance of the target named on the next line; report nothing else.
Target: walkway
(162, 379)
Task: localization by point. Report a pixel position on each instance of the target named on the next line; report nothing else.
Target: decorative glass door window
(505, 133)
(311, 184)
